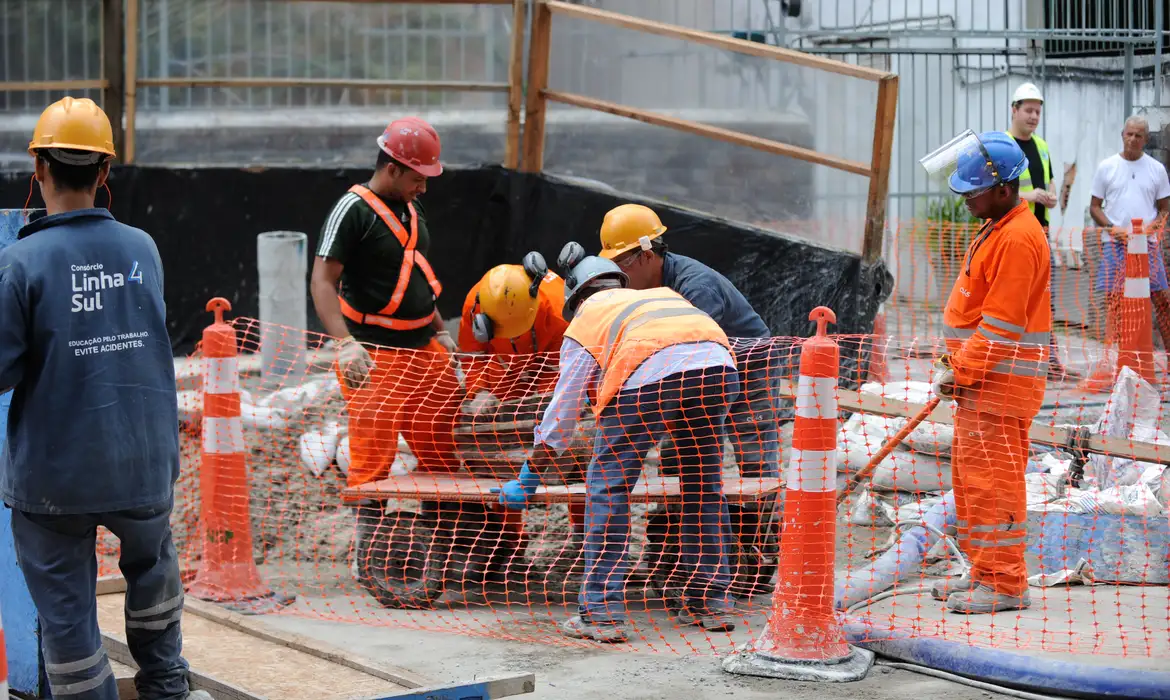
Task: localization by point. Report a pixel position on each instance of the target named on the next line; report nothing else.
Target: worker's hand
(448, 343)
(515, 493)
(483, 404)
(355, 362)
(1119, 234)
(943, 383)
(1046, 198)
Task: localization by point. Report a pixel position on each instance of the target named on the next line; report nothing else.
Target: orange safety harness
(410, 258)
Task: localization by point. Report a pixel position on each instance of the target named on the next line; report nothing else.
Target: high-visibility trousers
(990, 457)
(412, 392)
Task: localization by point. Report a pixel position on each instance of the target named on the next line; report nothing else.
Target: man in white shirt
(1131, 185)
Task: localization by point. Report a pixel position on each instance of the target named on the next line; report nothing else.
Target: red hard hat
(414, 143)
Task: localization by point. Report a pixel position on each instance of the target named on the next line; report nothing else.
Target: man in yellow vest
(649, 363)
(1037, 188)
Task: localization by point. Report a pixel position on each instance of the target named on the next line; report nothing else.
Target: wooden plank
(421, 486)
(536, 106)
(488, 688)
(301, 643)
(879, 181)
(1045, 434)
(118, 652)
(515, 85)
(255, 665)
(130, 101)
(113, 68)
(718, 41)
(352, 83)
(711, 132)
(13, 86)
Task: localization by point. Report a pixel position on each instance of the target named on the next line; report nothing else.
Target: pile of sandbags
(913, 476)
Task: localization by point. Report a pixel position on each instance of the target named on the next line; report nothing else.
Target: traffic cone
(227, 573)
(1128, 320)
(803, 639)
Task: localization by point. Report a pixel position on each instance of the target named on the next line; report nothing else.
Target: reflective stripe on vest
(410, 258)
(1028, 344)
(1026, 178)
(622, 328)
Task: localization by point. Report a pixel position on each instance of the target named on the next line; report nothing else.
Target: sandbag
(912, 472)
(931, 439)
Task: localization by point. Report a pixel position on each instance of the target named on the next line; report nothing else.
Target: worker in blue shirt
(649, 363)
(92, 433)
(631, 236)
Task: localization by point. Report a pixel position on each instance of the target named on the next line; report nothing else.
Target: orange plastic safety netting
(426, 545)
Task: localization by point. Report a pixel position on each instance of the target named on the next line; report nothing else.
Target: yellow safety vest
(1026, 178)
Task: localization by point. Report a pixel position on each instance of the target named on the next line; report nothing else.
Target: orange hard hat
(77, 125)
(414, 143)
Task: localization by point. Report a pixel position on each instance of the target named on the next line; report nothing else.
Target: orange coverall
(412, 392)
(997, 322)
(512, 368)
(508, 359)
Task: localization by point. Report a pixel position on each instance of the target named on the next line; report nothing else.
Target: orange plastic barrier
(227, 572)
(803, 639)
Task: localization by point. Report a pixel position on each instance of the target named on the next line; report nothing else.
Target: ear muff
(481, 324)
(536, 268)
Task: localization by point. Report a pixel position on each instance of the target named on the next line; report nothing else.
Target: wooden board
(257, 666)
(1044, 434)
(440, 487)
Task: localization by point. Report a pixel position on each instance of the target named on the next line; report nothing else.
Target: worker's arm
(337, 246)
(578, 372)
(323, 287)
(1012, 273)
(1097, 212)
(13, 326)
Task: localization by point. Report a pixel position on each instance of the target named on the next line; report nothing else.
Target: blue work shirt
(714, 294)
(93, 425)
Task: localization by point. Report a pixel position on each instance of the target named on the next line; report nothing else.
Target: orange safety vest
(410, 258)
(997, 320)
(622, 328)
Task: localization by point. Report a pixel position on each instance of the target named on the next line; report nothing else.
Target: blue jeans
(56, 554)
(691, 407)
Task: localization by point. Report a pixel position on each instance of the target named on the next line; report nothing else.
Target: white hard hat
(1027, 91)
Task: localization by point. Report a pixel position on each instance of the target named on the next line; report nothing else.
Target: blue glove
(515, 493)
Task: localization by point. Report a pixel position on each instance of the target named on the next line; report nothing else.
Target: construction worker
(997, 321)
(1037, 188)
(513, 312)
(1131, 185)
(512, 329)
(649, 363)
(93, 426)
(631, 236)
(374, 289)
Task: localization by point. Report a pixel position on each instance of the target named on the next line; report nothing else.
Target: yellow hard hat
(627, 227)
(77, 124)
(507, 302)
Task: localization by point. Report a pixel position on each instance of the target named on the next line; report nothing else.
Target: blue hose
(1037, 675)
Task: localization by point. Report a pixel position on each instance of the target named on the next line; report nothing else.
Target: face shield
(962, 164)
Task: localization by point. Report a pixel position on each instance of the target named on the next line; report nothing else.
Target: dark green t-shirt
(355, 236)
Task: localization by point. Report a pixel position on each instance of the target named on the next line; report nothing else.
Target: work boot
(944, 587)
(984, 599)
(607, 632)
(707, 619)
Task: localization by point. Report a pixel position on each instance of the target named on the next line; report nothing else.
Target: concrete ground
(575, 673)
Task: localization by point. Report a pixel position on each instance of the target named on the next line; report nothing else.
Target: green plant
(945, 230)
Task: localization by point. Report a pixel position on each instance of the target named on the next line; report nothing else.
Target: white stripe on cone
(811, 470)
(1138, 244)
(1137, 287)
(223, 435)
(816, 397)
(221, 375)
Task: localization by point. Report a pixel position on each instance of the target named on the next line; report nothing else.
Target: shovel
(887, 448)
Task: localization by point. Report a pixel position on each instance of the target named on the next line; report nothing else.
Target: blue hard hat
(974, 172)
